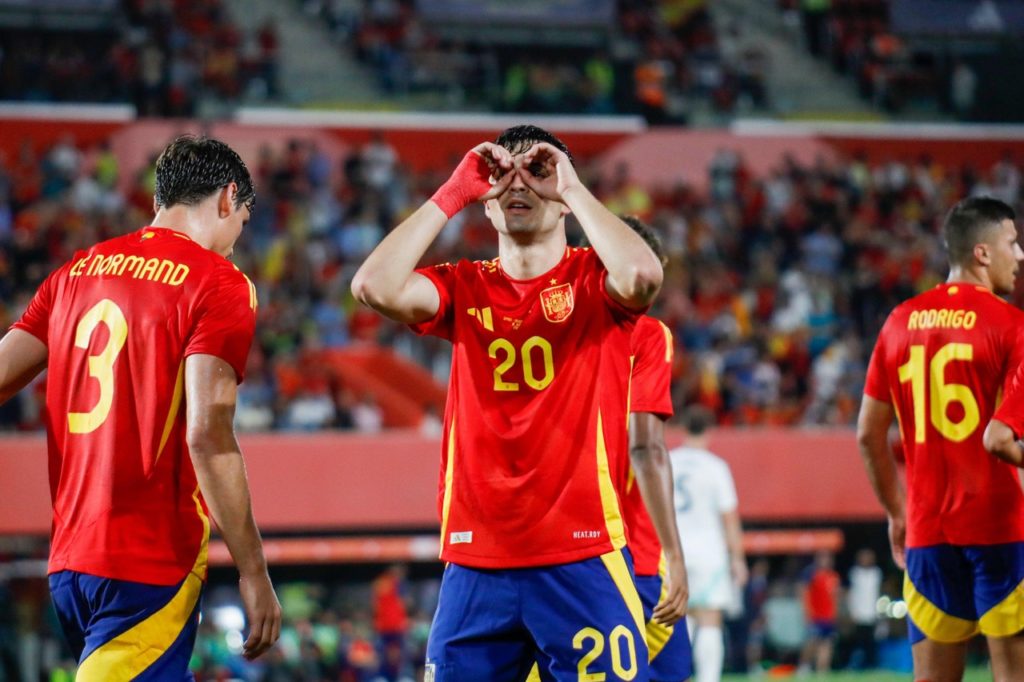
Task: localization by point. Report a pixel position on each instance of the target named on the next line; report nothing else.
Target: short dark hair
(697, 419)
(192, 168)
(649, 236)
(518, 139)
(967, 221)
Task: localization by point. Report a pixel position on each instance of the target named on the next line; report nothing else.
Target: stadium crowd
(775, 288)
(668, 55)
(163, 57)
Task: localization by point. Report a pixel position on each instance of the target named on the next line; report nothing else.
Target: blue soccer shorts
(577, 621)
(669, 645)
(121, 630)
(954, 592)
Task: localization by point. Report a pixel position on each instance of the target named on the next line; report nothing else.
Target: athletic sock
(708, 654)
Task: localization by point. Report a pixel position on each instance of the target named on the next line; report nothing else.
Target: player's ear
(156, 206)
(982, 254)
(226, 199)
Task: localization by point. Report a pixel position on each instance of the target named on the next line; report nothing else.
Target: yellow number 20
(505, 347)
(940, 394)
(619, 635)
(101, 365)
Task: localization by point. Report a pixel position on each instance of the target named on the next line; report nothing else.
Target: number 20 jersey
(534, 445)
(942, 360)
(118, 321)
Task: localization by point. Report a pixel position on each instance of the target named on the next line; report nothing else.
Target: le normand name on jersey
(121, 265)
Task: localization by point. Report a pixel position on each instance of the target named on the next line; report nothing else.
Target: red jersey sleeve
(652, 369)
(876, 384)
(226, 320)
(443, 277)
(36, 318)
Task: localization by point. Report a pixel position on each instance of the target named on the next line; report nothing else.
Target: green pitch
(972, 675)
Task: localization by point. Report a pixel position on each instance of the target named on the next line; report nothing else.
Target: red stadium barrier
(327, 482)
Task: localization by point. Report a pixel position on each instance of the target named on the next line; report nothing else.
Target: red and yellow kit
(119, 321)
(649, 391)
(535, 444)
(942, 359)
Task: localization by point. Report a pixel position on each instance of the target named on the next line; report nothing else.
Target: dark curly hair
(192, 168)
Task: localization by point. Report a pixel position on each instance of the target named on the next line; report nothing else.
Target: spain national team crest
(557, 302)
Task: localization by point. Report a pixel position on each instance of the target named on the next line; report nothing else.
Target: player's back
(704, 489)
(942, 359)
(121, 319)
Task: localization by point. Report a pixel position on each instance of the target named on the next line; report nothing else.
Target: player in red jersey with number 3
(145, 339)
(534, 448)
(939, 365)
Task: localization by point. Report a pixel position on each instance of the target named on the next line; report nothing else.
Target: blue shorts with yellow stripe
(669, 645)
(954, 592)
(574, 620)
(121, 630)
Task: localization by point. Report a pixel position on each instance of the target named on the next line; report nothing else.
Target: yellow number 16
(101, 365)
(941, 394)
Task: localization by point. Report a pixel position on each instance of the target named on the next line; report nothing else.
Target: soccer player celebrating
(647, 500)
(145, 339)
(939, 364)
(534, 446)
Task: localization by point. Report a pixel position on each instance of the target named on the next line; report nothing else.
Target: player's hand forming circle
(672, 608)
(547, 171)
(499, 161)
(264, 613)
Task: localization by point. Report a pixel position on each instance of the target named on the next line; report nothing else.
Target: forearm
(225, 487)
(384, 276)
(633, 269)
(881, 468)
(734, 535)
(1000, 441)
(654, 478)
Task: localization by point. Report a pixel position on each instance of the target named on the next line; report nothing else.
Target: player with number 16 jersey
(940, 365)
(942, 359)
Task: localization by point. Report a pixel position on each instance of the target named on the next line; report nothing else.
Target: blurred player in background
(534, 446)
(939, 365)
(647, 500)
(709, 525)
(145, 339)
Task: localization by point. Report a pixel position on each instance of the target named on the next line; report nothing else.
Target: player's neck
(960, 275)
(183, 219)
(526, 259)
(697, 442)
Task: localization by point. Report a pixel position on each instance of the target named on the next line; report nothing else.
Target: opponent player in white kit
(709, 526)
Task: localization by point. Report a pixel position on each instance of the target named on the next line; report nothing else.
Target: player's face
(521, 210)
(1005, 257)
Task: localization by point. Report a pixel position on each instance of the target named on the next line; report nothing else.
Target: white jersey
(704, 490)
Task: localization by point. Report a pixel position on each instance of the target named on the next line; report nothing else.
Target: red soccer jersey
(119, 321)
(648, 392)
(941, 360)
(534, 444)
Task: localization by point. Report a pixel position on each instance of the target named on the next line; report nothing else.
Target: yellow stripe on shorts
(656, 634)
(1006, 618)
(615, 562)
(936, 624)
(127, 656)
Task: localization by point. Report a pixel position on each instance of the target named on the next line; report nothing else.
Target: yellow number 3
(101, 365)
